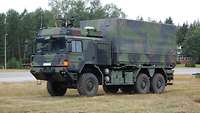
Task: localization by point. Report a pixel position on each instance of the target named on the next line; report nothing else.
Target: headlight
(47, 37)
(66, 63)
(107, 71)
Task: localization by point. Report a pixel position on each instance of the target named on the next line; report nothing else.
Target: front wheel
(158, 83)
(142, 84)
(88, 84)
(56, 88)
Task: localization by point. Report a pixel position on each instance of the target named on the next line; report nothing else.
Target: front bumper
(53, 74)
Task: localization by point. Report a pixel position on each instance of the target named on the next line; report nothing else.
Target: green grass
(182, 97)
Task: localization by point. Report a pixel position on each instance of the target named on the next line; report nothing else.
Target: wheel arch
(152, 71)
(145, 71)
(94, 69)
(161, 71)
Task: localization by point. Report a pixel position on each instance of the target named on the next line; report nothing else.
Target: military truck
(119, 54)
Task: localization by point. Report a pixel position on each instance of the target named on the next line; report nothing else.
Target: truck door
(76, 54)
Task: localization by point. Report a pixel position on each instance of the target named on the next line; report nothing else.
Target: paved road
(17, 76)
(186, 70)
(22, 76)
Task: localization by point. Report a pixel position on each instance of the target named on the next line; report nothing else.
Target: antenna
(5, 44)
(41, 21)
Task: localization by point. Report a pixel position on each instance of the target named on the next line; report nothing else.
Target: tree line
(22, 27)
(188, 38)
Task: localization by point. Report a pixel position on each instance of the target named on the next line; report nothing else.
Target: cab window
(76, 46)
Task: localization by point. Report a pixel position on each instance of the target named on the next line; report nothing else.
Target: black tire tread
(56, 88)
(81, 85)
(138, 89)
(110, 89)
(156, 77)
(127, 89)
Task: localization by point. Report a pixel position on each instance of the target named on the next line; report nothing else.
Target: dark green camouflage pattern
(59, 31)
(49, 63)
(117, 42)
(77, 60)
(137, 42)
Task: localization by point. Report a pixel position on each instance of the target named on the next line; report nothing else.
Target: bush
(190, 65)
(1, 66)
(14, 63)
(178, 62)
(197, 76)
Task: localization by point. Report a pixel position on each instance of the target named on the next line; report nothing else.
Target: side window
(73, 46)
(76, 46)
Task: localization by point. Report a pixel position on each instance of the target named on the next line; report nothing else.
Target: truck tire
(158, 83)
(142, 84)
(88, 84)
(56, 88)
(110, 89)
(127, 89)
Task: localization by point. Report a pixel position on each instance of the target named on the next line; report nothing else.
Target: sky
(180, 10)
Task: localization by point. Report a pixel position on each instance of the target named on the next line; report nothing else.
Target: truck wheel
(56, 88)
(158, 83)
(110, 88)
(88, 84)
(127, 89)
(142, 84)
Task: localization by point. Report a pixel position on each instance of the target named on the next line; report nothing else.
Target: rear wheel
(142, 84)
(158, 83)
(88, 84)
(127, 89)
(110, 88)
(56, 88)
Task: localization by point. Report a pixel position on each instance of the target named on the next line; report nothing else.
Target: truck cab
(62, 55)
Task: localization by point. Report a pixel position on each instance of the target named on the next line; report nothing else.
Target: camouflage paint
(57, 31)
(137, 42)
(125, 42)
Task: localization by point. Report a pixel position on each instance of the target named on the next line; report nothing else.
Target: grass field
(183, 65)
(182, 97)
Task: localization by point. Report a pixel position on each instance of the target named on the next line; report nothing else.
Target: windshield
(52, 45)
